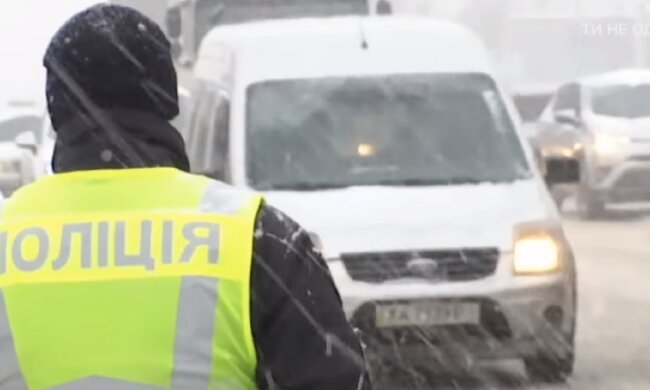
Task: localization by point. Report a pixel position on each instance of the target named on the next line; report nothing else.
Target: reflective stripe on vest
(208, 349)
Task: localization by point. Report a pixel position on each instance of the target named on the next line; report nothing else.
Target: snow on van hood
(361, 219)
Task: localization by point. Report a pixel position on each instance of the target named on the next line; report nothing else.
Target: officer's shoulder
(24, 198)
(28, 190)
(272, 219)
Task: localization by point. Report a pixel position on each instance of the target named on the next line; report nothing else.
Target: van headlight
(537, 250)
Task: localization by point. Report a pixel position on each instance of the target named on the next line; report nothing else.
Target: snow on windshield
(389, 130)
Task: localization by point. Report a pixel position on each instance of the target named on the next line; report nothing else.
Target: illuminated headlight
(536, 251)
(608, 144)
(567, 152)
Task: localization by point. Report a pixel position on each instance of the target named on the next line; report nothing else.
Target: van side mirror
(562, 171)
(567, 118)
(26, 140)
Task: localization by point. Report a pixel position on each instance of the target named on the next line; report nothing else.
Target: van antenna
(362, 33)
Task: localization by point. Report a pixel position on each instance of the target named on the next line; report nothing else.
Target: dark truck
(188, 21)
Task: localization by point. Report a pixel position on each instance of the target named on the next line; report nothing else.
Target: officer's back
(122, 271)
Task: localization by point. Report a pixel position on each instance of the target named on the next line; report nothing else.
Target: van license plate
(427, 314)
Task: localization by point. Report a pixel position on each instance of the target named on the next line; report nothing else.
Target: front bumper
(520, 316)
(628, 181)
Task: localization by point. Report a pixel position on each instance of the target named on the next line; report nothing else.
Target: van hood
(375, 219)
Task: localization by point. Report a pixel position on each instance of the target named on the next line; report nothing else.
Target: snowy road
(613, 338)
(614, 315)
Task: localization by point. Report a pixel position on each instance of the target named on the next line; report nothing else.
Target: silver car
(603, 122)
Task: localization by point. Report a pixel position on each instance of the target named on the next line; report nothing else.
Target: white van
(390, 140)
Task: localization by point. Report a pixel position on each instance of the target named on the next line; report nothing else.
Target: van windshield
(398, 130)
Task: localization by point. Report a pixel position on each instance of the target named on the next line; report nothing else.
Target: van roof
(302, 48)
(629, 76)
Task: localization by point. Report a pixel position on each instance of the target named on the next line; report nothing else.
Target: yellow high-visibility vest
(127, 279)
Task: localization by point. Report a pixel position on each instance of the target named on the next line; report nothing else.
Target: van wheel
(589, 205)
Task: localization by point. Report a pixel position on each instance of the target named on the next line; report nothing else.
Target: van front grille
(443, 265)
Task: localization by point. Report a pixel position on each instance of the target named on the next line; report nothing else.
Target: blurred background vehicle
(603, 123)
(19, 124)
(349, 115)
(552, 143)
(188, 21)
(530, 101)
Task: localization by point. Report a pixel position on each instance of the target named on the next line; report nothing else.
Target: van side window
(219, 167)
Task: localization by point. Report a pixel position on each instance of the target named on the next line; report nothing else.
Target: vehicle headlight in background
(608, 144)
(365, 150)
(536, 251)
(568, 151)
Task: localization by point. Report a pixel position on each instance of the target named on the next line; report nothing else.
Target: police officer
(123, 271)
